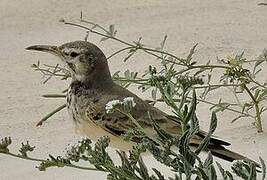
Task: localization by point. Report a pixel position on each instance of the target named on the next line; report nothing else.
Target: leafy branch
(236, 74)
(185, 162)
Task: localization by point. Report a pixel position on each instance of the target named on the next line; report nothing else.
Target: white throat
(78, 77)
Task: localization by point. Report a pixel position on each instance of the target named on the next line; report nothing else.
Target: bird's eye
(90, 59)
(73, 54)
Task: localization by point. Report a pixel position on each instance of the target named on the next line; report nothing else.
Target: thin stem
(94, 24)
(182, 101)
(257, 83)
(236, 97)
(257, 109)
(58, 68)
(119, 51)
(54, 95)
(250, 61)
(101, 34)
(126, 43)
(211, 103)
(149, 50)
(48, 72)
(136, 81)
(216, 85)
(230, 109)
(50, 114)
(202, 66)
(65, 90)
(258, 118)
(43, 160)
(132, 119)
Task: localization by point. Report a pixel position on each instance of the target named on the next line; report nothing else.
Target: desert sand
(220, 27)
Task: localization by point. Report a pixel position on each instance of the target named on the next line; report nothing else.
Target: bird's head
(84, 60)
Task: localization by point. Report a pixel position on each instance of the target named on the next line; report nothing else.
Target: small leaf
(162, 44)
(160, 176)
(203, 176)
(104, 39)
(25, 148)
(263, 168)
(5, 142)
(208, 162)
(252, 173)
(205, 141)
(112, 30)
(143, 169)
(154, 94)
(192, 110)
(224, 175)
(189, 57)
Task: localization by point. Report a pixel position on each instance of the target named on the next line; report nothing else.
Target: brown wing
(117, 124)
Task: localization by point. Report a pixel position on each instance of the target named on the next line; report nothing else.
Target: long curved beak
(46, 48)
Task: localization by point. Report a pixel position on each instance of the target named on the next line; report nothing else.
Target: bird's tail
(228, 155)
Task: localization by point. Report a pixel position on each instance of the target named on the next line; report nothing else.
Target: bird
(92, 87)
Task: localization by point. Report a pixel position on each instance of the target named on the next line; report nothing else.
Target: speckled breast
(73, 109)
(82, 108)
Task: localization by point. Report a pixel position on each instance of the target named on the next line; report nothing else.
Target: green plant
(184, 162)
(239, 76)
(176, 83)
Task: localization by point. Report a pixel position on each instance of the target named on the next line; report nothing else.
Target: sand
(220, 27)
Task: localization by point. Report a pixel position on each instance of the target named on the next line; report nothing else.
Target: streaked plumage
(92, 88)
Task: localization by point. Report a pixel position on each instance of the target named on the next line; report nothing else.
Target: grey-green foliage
(184, 162)
(176, 83)
(238, 74)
